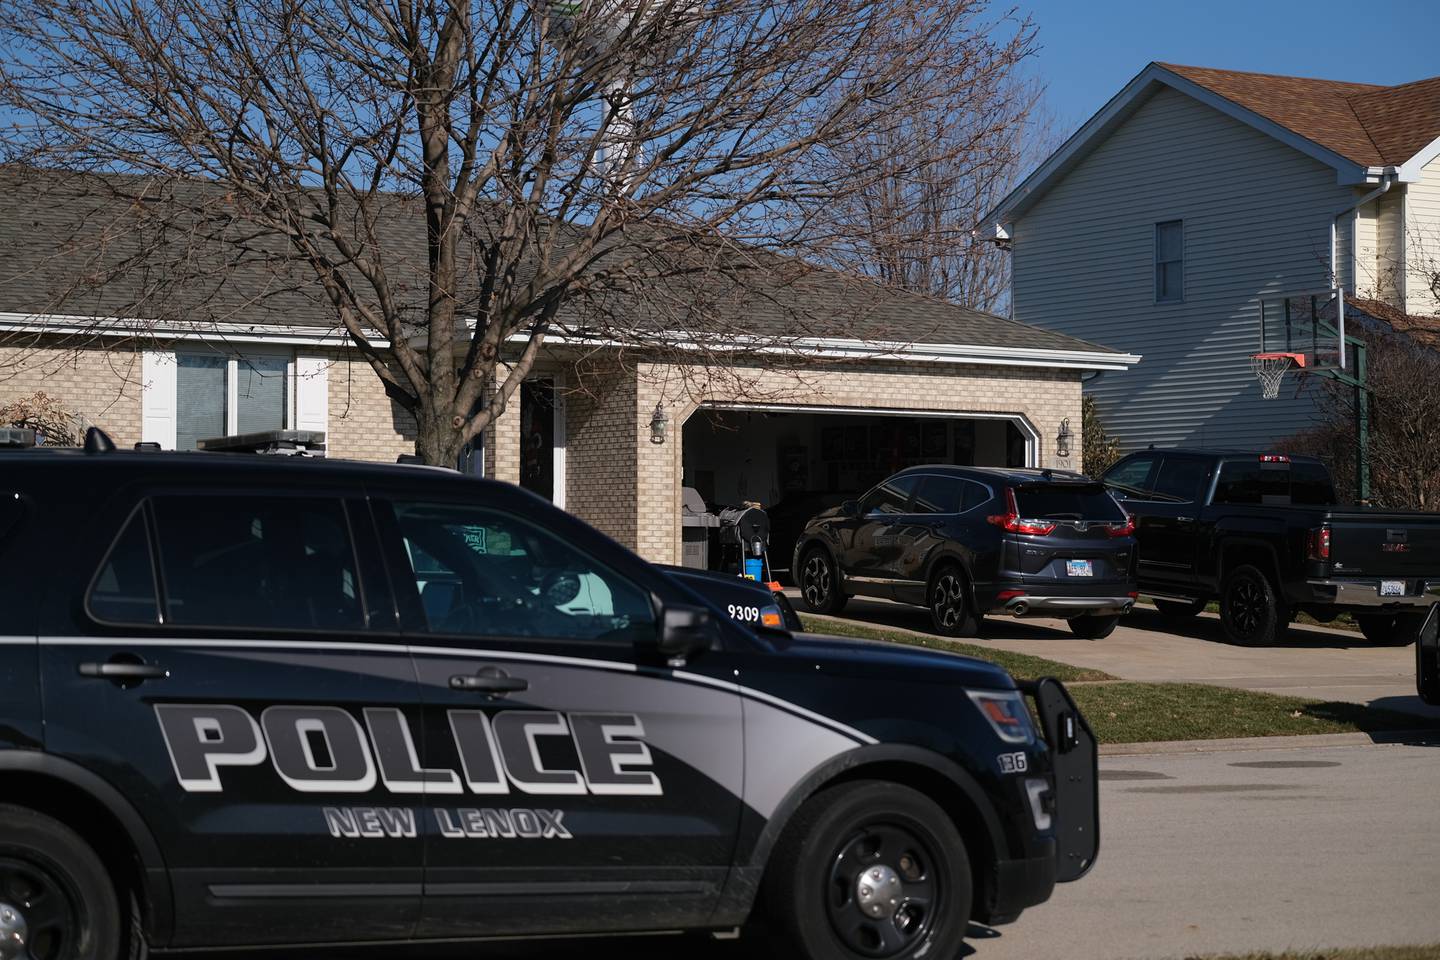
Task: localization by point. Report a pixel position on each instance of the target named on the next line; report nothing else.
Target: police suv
(260, 701)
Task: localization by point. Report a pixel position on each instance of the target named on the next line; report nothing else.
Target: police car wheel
(820, 583)
(870, 869)
(56, 899)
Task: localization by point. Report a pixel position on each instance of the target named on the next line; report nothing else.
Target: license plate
(1079, 568)
(1392, 588)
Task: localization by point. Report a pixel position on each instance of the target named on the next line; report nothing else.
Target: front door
(574, 786)
(225, 674)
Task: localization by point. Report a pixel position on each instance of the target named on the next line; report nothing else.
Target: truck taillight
(1274, 458)
(1320, 543)
(1011, 520)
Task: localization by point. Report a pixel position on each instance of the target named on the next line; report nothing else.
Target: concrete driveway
(1315, 662)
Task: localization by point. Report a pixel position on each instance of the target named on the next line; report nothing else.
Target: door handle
(122, 670)
(1185, 519)
(489, 680)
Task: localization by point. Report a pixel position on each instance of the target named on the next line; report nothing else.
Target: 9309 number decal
(743, 613)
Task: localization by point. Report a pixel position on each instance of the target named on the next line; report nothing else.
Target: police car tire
(799, 881)
(65, 859)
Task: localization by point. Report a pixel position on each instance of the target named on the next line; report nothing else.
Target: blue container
(754, 569)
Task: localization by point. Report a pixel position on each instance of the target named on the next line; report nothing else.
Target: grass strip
(1431, 952)
(1022, 666)
(1128, 712)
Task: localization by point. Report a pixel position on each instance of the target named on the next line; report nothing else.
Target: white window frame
(1157, 262)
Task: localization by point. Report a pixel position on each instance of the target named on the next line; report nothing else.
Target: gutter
(1386, 181)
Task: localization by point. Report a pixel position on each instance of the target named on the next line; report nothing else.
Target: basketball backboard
(1310, 323)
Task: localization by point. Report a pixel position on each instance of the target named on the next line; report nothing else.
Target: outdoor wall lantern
(1062, 439)
(659, 423)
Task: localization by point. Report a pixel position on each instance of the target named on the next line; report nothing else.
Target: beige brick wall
(634, 495)
(102, 386)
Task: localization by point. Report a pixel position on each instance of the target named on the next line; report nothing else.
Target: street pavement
(1315, 662)
(1228, 851)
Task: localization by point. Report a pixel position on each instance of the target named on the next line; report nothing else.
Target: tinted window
(892, 496)
(939, 495)
(1067, 502)
(1131, 476)
(11, 509)
(272, 562)
(1180, 477)
(1253, 482)
(975, 496)
(485, 573)
(1310, 485)
(124, 589)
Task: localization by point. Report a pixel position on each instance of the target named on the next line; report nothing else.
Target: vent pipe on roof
(1385, 182)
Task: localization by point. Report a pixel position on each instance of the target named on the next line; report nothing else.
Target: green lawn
(1022, 666)
(1141, 712)
(1431, 952)
(1122, 711)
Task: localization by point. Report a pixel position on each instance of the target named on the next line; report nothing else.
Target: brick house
(870, 380)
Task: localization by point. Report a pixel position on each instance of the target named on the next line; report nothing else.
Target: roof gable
(1361, 130)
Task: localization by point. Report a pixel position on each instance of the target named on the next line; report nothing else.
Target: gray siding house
(1193, 194)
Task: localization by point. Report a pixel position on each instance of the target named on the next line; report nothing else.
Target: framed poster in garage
(933, 438)
(794, 468)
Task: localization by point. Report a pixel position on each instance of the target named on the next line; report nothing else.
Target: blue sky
(1091, 48)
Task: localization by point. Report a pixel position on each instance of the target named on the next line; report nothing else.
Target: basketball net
(1270, 370)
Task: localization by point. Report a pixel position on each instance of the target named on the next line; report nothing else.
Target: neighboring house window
(218, 396)
(193, 394)
(1170, 261)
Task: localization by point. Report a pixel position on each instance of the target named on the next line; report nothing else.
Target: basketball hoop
(1270, 370)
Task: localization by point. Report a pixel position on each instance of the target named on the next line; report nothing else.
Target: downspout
(1385, 181)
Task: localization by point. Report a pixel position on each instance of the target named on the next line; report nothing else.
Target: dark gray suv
(967, 541)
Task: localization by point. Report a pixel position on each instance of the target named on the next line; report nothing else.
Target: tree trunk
(437, 442)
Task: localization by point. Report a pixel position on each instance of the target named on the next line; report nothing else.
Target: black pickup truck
(1262, 533)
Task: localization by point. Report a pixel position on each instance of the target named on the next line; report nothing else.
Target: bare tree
(460, 179)
(1403, 378)
(943, 162)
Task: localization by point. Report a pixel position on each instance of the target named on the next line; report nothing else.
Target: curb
(1302, 742)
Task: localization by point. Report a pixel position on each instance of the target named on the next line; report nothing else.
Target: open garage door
(797, 462)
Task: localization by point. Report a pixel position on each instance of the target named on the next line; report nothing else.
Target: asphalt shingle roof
(68, 248)
(1368, 123)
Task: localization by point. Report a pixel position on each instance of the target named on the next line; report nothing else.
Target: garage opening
(796, 463)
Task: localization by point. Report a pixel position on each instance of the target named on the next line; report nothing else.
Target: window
(1067, 502)
(271, 562)
(485, 573)
(1170, 261)
(939, 495)
(1180, 478)
(1131, 477)
(892, 496)
(217, 396)
(124, 589)
(1310, 485)
(1253, 482)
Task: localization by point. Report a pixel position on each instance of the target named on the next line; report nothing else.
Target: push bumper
(1419, 594)
(1019, 884)
(1051, 606)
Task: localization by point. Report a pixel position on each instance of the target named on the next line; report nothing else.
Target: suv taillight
(1125, 529)
(1320, 543)
(1011, 520)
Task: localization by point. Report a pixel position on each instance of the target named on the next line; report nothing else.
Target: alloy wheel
(816, 582)
(1246, 606)
(948, 600)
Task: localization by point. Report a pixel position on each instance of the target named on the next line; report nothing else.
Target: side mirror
(850, 508)
(684, 631)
